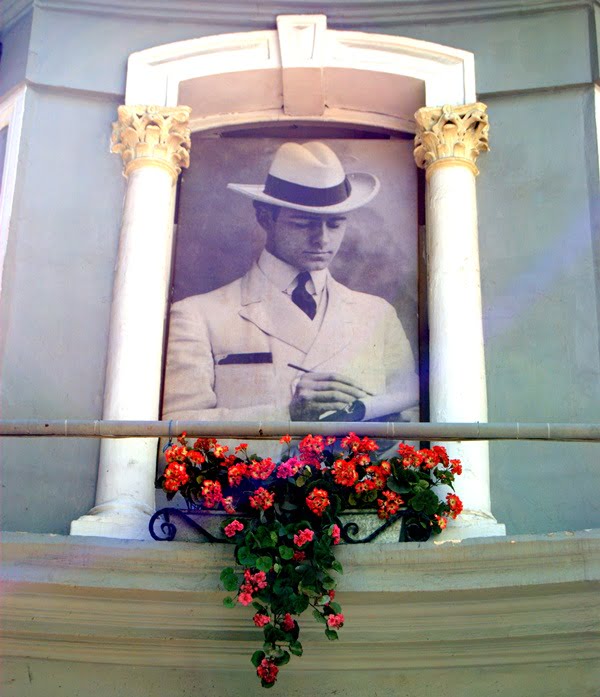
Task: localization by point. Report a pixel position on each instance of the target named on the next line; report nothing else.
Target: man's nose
(320, 232)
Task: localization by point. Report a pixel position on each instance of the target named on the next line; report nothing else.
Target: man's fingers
(332, 397)
(337, 378)
(309, 383)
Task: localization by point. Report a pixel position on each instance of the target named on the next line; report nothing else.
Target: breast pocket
(244, 379)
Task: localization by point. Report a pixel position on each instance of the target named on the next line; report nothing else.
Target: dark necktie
(302, 298)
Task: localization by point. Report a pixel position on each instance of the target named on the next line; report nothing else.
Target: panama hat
(310, 177)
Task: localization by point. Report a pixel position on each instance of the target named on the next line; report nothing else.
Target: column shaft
(448, 142)
(149, 142)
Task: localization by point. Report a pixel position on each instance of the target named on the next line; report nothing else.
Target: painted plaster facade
(527, 605)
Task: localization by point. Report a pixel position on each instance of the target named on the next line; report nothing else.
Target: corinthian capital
(451, 134)
(152, 136)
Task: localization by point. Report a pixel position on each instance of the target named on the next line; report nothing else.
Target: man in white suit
(287, 341)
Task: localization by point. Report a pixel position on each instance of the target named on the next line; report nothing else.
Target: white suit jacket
(229, 350)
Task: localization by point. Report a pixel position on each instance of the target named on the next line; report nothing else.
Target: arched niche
(300, 73)
(301, 70)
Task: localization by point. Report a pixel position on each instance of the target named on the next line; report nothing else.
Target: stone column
(154, 143)
(447, 144)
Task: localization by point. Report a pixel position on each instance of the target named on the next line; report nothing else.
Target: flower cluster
(286, 523)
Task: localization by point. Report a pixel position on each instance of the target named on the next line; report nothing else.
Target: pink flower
(335, 533)
(335, 621)
(245, 598)
(233, 527)
(303, 537)
(267, 671)
(287, 624)
(261, 620)
(254, 582)
(288, 468)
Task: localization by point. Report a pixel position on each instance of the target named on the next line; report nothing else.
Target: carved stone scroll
(451, 134)
(152, 135)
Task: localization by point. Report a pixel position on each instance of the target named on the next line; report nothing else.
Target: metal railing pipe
(257, 430)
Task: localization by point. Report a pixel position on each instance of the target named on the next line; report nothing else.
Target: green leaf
(352, 500)
(301, 481)
(282, 660)
(257, 657)
(331, 634)
(286, 552)
(296, 648)
(336, 566)
(319, 617)
(267, 684)
(229, 602)
(277, 568)
(335, 607)
(264, 563)
(301, 602)
(229, 579)
(245, 557)
(329, 583)
(260, 608)
(393, 485)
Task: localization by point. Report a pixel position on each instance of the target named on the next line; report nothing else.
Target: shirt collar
(282, 275)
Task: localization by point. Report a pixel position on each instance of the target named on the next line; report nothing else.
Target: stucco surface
(540, 306)
(505, 616)
(539, 247)
(57, 289)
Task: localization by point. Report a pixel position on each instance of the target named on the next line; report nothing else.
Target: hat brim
(364, 188)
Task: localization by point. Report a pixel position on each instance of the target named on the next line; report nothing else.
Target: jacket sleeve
(190, 375)
(402, 383)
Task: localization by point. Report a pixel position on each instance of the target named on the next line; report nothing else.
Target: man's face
(307, 241)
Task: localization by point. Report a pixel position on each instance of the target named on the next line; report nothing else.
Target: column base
(471, 524)
(122, 519)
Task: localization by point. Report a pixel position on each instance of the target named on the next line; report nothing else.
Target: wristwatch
(352, 412)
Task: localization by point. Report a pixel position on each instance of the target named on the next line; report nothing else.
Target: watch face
(353, 412)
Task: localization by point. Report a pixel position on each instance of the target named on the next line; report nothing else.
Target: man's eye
(334, 224)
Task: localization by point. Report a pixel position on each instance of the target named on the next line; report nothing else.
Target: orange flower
(390, 506)
(261, 469)
(285, 439)
(455, 505)
(344, 473)
(317, 501)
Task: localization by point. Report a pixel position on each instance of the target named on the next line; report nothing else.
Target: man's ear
(264, 216)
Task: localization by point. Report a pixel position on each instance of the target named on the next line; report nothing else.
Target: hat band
(307, 195)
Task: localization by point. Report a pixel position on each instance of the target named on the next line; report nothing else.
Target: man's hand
(318, 393)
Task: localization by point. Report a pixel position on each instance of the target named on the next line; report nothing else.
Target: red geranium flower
(317, 501)
(262, 499)
(261, 620)
(389, 505)
(261, 469)
(267, 671)
(344, 472)
(455, 504)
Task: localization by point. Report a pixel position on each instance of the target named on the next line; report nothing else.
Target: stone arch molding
(300, 72)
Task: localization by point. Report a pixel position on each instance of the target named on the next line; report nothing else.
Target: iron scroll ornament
(414, 529)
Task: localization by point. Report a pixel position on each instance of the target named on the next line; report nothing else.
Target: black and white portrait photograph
(295, 282)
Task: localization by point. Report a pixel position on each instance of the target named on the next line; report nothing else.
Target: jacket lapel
(339, 325)
(269, 309)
